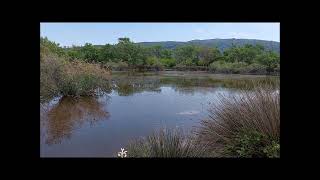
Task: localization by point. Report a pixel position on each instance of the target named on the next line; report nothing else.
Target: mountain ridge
(221, 44)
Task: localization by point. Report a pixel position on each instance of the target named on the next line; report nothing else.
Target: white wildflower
(122, 153)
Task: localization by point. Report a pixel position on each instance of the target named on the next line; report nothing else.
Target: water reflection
(69, 114)
(179, 101)
(126, 86)
(129, 84)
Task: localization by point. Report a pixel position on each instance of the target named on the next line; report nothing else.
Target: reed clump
(59, 76)
(166, 143)
(245, 125)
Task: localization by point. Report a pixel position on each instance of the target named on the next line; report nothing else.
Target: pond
(137, 105)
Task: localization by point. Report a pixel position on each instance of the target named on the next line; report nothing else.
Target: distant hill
(221, 44)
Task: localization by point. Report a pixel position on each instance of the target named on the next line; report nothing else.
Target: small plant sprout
(122, 153)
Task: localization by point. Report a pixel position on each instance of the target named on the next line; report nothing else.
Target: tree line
(128, 55)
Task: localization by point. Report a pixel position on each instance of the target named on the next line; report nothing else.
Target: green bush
(251, 144)
(237, 67)
(157, 66)
(168, 63)
(151, 61)
(225, 67)
(154, 63)
(272, 150)
(255, 68)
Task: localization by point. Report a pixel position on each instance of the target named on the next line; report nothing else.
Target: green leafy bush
(255, 68)
(168, 63)
(225, 67)
(252, 144)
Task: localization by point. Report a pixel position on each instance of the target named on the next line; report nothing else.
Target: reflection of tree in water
(70, 114)
(189, 85)
(128, 86)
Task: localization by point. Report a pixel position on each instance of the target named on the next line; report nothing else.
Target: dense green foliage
(250, 59)
(251, 144)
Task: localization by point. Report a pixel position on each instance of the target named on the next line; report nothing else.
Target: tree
(208, 55)
(183, 53)
(270, 59)
(107, 53)
(158, 52)
(131, 53)
(89, 53)
(50, 46)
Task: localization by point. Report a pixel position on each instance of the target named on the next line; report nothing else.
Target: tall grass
(166, 143)
(242, 125)
(83, 79)
(245, 125)
(50, 73)
(59, 76)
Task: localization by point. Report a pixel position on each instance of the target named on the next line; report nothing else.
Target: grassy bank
(245, 125)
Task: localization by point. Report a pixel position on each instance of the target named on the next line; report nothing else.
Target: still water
(136, 105)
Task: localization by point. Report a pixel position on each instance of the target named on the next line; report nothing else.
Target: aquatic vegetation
(166, 143)
(59, 76)
(83, 79)
(245, 125)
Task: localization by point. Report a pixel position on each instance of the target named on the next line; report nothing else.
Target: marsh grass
(166, 143)
(50, 72)
(59, 76)
(83, 79)
(245, 125)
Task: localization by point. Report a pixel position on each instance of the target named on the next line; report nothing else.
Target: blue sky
(67, 34)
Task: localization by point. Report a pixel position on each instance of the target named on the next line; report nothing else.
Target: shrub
(168, 63)
(151, 61)
(277, 69)
(250, 144)
(255, 112)
(50, 72)
(226, 67)
(59, 76)
(237, 67)
(255, 68)
(165, 143)
(220, 67)
(181, 67)
(157, 66)
(118, 66)
(83, 79)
